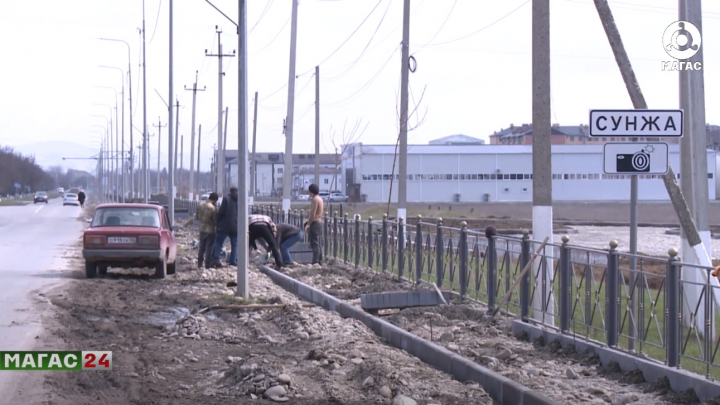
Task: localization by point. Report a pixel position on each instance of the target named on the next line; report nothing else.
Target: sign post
(635, 158)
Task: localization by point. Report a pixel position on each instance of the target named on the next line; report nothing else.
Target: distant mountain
(52, 153)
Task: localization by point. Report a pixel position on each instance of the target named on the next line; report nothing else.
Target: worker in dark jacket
(81, 198)
(263, 227)
(227, 227)
(287, 236)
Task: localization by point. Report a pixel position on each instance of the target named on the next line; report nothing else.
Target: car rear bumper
(129, 255)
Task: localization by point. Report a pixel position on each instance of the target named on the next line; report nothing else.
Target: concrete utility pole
(146, 167)
(287, 171)
(220, 166)
(160, 126)
(317, 126)
(253, 171)
(191, 190)
(693, 155)
(197, 189)
(180, 176)
(696, 244)
(175, 160)
(404, 84)
(225, 131)
(171, 181)
(242, 167)
(542, 215)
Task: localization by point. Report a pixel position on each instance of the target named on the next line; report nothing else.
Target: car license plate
(121, 240)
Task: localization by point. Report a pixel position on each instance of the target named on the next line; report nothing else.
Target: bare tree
(418, 122)
(348, 137)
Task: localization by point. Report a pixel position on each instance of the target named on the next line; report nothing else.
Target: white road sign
(636, 158)
(637, 123)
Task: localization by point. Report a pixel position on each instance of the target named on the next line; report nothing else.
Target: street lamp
(122, 120)
(129, 74)
(117, 134)
(108, 146)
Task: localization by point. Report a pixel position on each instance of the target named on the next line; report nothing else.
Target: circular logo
(640, 161)
(681, 40)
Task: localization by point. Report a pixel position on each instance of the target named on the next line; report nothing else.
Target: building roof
(526, 129)
(458, 139)
(489, 149)
(279, 157)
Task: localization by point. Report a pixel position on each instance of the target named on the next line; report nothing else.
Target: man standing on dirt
(206, 214)
(314, 223)
(81, 199)
(227, 227)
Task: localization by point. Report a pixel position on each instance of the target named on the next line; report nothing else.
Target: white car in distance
(71, 199)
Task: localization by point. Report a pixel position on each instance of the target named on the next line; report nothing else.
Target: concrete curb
(680, 380)
(501, 389)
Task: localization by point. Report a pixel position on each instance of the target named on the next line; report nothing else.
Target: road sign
(637, 123)
(17, 185)
(636, 158)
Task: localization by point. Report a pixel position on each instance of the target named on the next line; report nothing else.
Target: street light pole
(122, 141)
(111, 162)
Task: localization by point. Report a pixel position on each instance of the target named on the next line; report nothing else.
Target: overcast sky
(473, 60)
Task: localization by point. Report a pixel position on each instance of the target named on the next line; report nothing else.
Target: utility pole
(175, 160)
(180, 173)
(160, 126)
(170, 118)
(317, 125)
(197, 189)
(696, 245)
(225, 131)
(242, 167)
(693, 154)
(220, 166)
(146, 167)
(542, 217)
(117, 161)
(404, 82)
(253, 177)
(191, 190)
(287, 172)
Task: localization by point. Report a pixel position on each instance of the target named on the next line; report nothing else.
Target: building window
(506, 190)
(596, 176)
(374, 176)
(611, 139)
(572, 176)
(604, 139)
(513, 177)
(565, 177)
(474, 176)
(326, 181)
(506, 176)
(462, 177)
(622, 139)
(279, 170)
(604, 176)
(584, 176)
(572, 139)
(524, 190)
(492, 177)
(527, 177)
(710, 175)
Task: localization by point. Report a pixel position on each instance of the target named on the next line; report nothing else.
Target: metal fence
(634, 303)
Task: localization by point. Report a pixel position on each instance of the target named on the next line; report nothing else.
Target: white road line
(37, 210)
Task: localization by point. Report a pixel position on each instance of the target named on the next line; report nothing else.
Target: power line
(671, 11)
(364, 86)
(341, 75)
(262, 14)
(156, 22)
(275, 37)
(481, 29)
(306, 112)
(297, 93)
(441, 26)
(348, 38)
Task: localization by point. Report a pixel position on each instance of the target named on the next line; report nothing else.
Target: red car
(129, 236)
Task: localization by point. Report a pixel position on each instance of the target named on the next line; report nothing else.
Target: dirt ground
(166, 352)
(563, 375)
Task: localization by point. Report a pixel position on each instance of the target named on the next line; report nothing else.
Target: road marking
(36, 211)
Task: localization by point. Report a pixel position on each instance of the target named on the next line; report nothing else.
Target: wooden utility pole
(696, 245)
(542, 215)
(317, 125)
(191, 189)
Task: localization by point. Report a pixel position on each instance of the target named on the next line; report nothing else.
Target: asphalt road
(33, 240)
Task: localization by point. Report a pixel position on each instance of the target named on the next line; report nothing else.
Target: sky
(472, 62)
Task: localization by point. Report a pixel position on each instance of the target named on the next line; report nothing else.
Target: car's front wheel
(90, 269)
(161, 268)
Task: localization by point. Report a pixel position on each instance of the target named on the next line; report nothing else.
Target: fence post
(462, 246)
(418, 250)
(673, 315)
(439, 256)
(401, 247)
(525, 247)
(370, 243)
(346, 238)
(383, 241)
(357, 240)
(491, 272)
(611, 295)
(326, 248)
(302, 219)
(335, 235)
(566, 269)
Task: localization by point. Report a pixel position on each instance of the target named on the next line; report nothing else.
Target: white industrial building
(476, 173)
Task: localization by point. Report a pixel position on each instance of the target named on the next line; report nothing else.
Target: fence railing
(634, 303)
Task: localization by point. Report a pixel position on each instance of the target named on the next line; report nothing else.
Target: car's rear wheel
(161, 268)
(171, 268)
(90, 269)
(102, 270)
